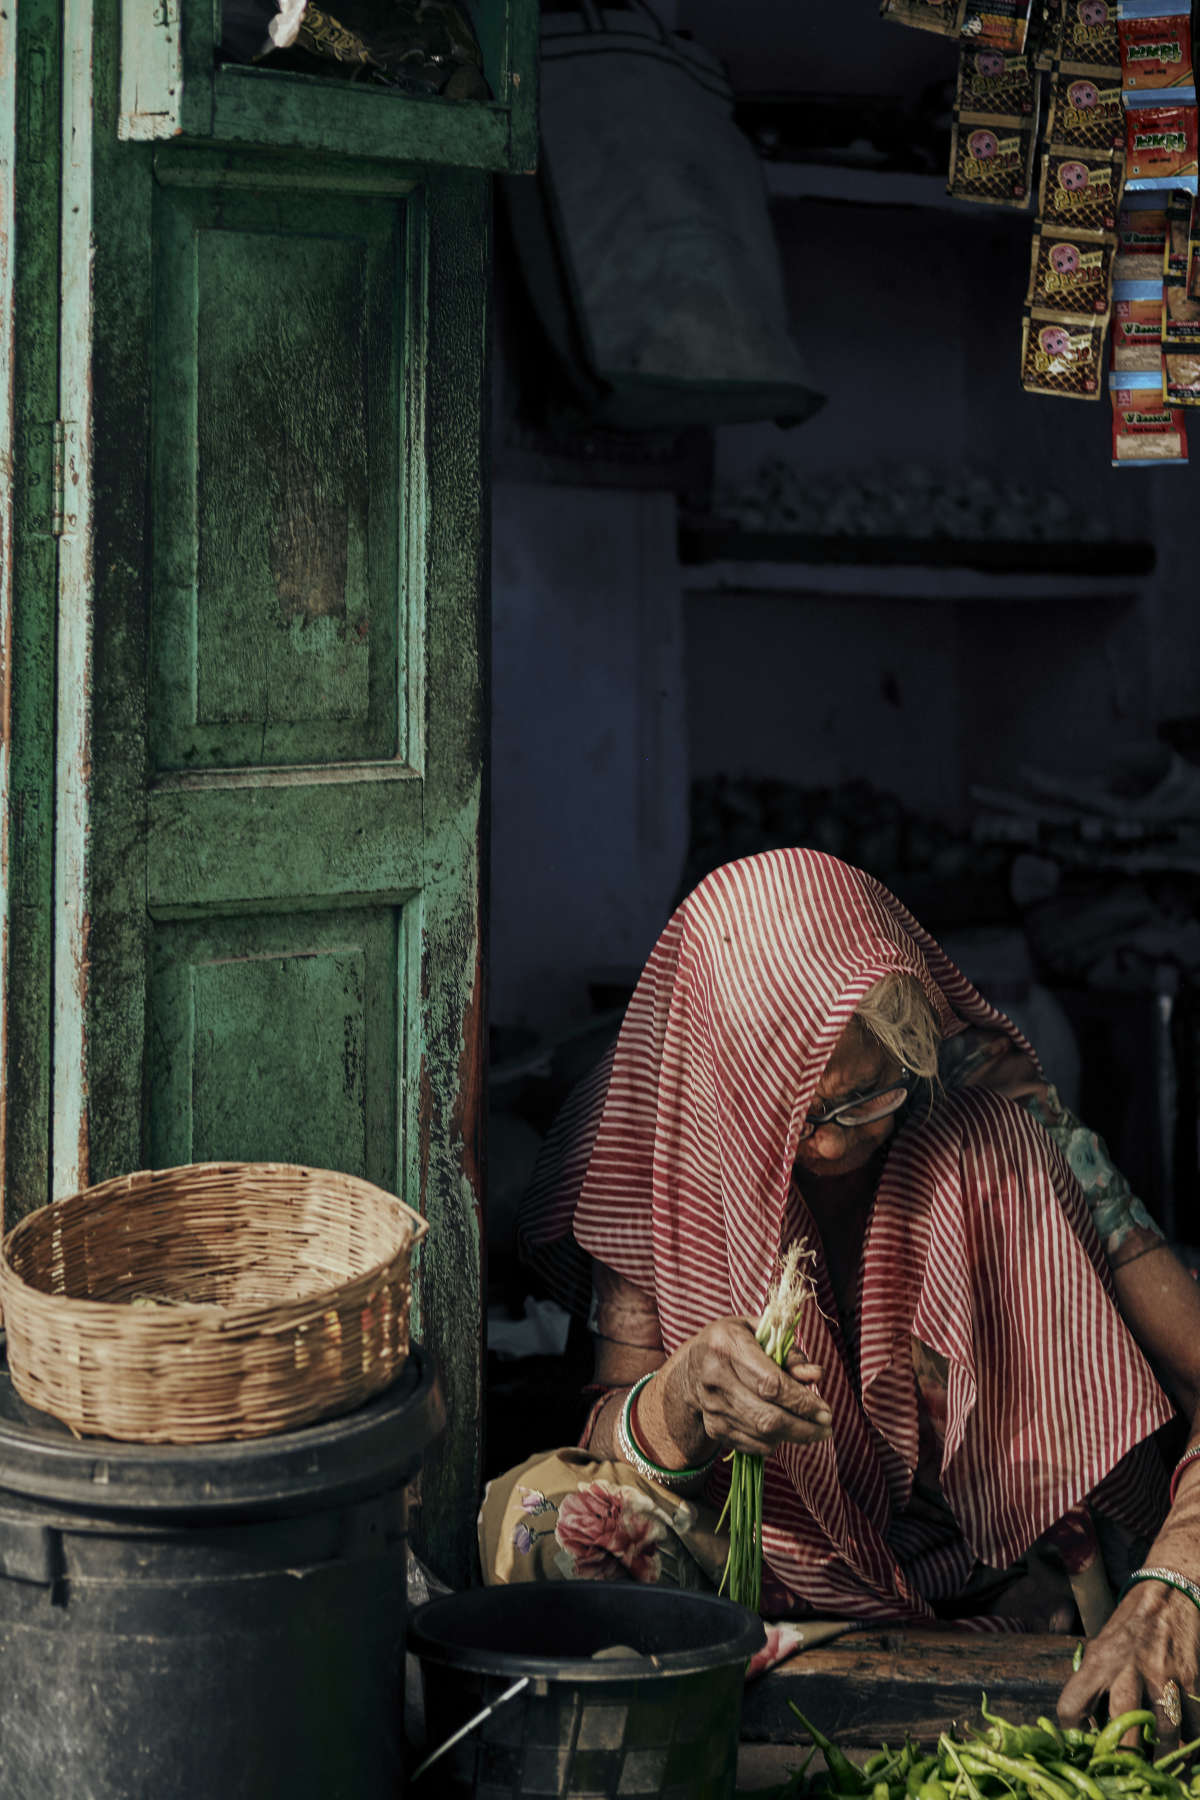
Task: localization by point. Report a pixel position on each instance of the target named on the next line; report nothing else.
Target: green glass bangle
(1170, 1578)
(632, 1452)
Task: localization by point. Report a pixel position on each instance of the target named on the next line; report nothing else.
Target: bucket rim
(748, 1634)
(377, 1445)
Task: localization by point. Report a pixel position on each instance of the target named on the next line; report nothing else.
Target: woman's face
(859, 1064)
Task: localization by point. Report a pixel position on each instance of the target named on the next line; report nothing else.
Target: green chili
(918, 1773)
(1029, 1772)
(847, 1779)
(1078, 1778)
(1175, 1756)
(947, 1748)
(1115, 1730)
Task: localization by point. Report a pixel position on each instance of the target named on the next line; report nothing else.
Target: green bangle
(635, 1456)
(1170, 1578)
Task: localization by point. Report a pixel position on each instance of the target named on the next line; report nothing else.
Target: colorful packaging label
(1071, 273)
(1193, 276)
(991, 82)
(991, 159)
(1137, 334)
(1141, 244)
(1079, 189)
(1087, 111)
(1089, 34)
(1181, 377)
(1001, 25)
(1061, 355)
(1156, 53)
(1160, 147)
(1145, 430)
(1181, 313)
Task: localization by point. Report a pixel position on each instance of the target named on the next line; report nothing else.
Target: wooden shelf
(853, 186)
(718, 557)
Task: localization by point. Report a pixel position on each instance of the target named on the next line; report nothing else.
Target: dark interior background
(657, 709)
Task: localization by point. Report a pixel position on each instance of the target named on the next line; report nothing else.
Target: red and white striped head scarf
(681, 1179)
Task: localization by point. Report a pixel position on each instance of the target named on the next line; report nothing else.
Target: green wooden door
(271, 708)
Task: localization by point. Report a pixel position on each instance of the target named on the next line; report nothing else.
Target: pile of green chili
(1009, 1762)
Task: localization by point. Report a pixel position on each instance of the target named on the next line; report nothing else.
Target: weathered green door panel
(282, 839)
(278, 506)
(174, 83)
(286, 828)
(283, 1039)
(29, 257)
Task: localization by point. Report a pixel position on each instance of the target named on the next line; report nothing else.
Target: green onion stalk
(776, 1332)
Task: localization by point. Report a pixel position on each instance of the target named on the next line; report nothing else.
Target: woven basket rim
(154, 1321)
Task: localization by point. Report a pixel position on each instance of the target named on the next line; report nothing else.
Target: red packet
(1137, 335)
(1145, 430)
(1141, 243)
(1160, 147)
(1156, 53)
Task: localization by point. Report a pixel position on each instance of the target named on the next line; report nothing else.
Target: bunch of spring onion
(776, 1332)
(1010, 1762)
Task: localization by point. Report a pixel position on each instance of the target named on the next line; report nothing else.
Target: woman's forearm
(1160, 1303)
(668, 1431)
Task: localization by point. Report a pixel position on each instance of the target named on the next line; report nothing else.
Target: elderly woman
(963, 1429)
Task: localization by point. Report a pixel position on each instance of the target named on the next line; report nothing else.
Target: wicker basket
(219, 1300)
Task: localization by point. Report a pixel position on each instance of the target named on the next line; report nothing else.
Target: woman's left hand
(1151, 1641)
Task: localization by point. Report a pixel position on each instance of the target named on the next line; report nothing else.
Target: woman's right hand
(721, 1391)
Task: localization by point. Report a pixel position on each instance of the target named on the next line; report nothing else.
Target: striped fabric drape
(675, 1168)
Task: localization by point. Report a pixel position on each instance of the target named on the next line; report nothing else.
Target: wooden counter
(868, 1688)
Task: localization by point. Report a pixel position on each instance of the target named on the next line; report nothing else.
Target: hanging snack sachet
(1089, 35)
(1045, 32)
(1181, 377)
(1071, 272)
(1156, 47)
(942, 16)
(1080, 189)
(1145, 430)
(1086, 109)
(1160, 146)
(1137, 329)
(1141, 238)
(1193, 276)
(991, 81)
(991, 159)
(1180, 313)
(1061, 355)
(999, 24)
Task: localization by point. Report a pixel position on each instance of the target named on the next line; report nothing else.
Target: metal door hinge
(58, 479)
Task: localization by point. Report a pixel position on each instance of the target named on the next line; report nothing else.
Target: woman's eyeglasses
(864, 1109)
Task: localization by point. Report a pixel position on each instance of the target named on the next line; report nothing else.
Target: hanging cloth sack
(646, 243)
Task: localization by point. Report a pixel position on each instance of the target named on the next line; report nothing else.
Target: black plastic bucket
(659, 1726)
(226, 1621)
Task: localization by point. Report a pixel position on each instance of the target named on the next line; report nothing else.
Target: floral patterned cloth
(570, 1516)
(566, 1515)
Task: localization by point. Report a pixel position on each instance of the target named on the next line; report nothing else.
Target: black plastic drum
(223, 1621)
